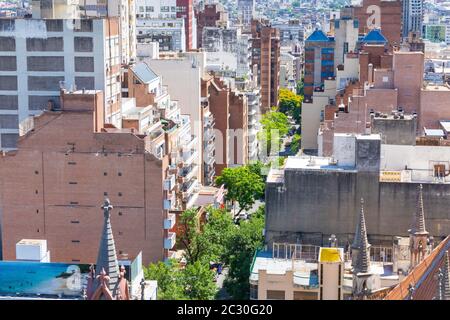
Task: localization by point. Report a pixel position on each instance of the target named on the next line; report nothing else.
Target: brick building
(266, 55)
(389, 21)
(212, 15)
(230, 112)
(64, 166)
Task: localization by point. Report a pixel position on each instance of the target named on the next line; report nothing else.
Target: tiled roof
(375, 36)
(318, 35)
(423, 278)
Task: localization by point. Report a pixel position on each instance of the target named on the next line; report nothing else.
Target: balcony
(189, 157)
(169, 223)
(189, 188)
(188, 173)
(209, 148)
(209, 135)
(209, 161)
(170, 241)
(167, 204)
(169, 183)
(186, 146)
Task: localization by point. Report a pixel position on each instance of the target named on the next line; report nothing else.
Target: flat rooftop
(436, 87)
(314, 163)
(305, 273)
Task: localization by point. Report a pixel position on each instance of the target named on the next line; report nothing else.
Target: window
(165, 9)
(75, 241)
(253, 291)
(149, 9)
(141, 9)
(275, 295)
(439, 170)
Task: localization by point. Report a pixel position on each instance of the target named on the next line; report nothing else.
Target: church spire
(418, 234)
(107, 258)
(361, 245)
(419, 217)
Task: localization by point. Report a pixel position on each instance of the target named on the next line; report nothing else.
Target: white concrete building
(168, 32)
(182, 74)
(39, 57)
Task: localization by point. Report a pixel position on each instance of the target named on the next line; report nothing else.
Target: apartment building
(319, 62)
(168, 32)
(266, 55)
(124, 11)
(146, 167)
(68, 161)
(41, 56)
(230, 115)
(182, 73)
(412, 17)
(291, 32)
(380, 14)
(211, 15)
(246, 12)
(171, 10)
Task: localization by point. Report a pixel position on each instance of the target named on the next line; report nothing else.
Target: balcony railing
(169, 183)
(190, 144)
(188, 157)
(189, 172)
(169, 223)
(170, 241)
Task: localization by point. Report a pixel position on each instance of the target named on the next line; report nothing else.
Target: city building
(319, 62)
(246, 11)
(229, 110)
(170, 11)
(266, 55)
(169, 33)
(211, 15)
(69, 54)
(292, 32)
(152, 151)
(412, 17)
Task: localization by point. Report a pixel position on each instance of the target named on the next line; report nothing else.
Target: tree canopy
(290, 103)
(243, 185)
(273, 121)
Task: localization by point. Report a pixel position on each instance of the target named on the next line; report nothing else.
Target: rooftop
(318, 35)
(314, 163)
(144, 73)
(305, 273)
(331, 254)
(374, 36)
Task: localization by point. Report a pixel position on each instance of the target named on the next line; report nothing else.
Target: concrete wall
(317, 203)
(395, 131)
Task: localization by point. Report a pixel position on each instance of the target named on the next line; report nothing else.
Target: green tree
(170, 286)
(204, 243)
(270, 121)
(295, 144)
(198, 281)
(241, 248)
(290, 103)
(243, 186)
(195, 281)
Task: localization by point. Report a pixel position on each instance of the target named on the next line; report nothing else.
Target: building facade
(57, 54)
